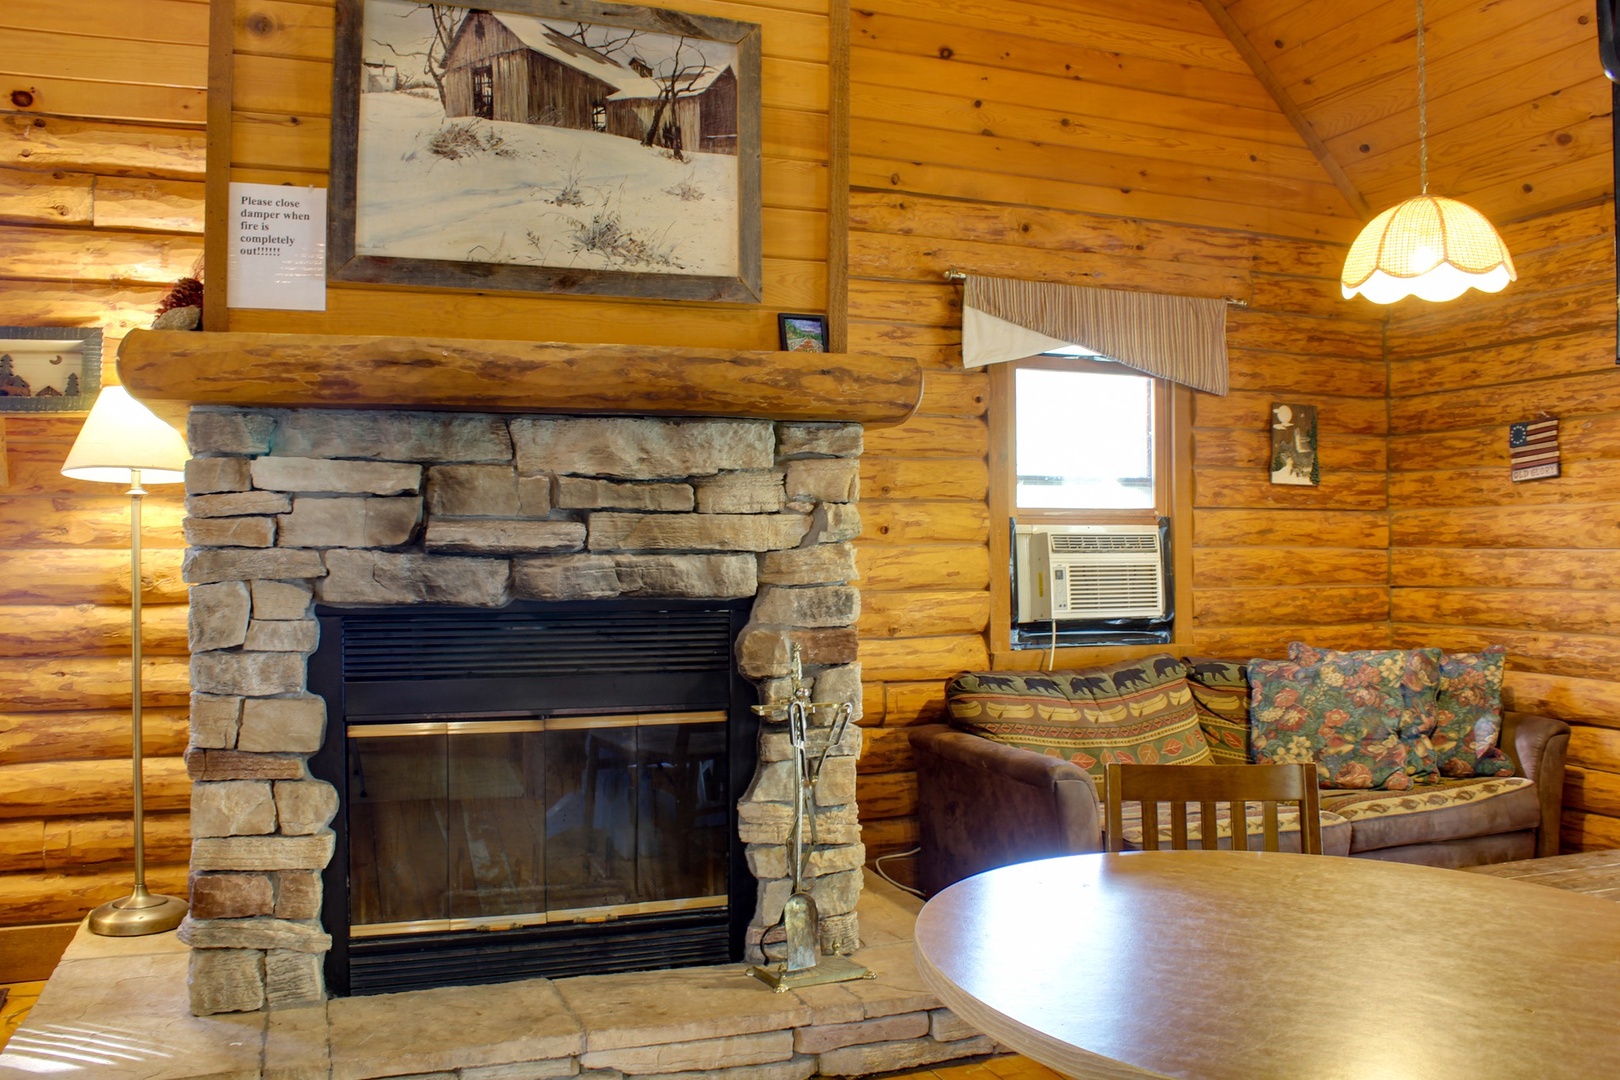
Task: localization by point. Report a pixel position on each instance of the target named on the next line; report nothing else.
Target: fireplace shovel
(799, 919)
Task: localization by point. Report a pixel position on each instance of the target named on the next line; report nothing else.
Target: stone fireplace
(296, 511)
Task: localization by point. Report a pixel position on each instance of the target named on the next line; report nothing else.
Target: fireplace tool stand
(804, 965)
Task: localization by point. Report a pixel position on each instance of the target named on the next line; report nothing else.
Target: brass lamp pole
(122, 442)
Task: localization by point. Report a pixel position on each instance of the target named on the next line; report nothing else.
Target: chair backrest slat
(1209, 826)
(1211, 787)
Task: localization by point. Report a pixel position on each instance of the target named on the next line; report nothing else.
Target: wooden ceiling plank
(926, 77)
(1538, 134)
(1275, 26)
(1569, 184)
(1295, 117)
(1451, 75)
(1039, 56)
(1083, 126)
(1557, 82)
(1087, 24)
(1014, 157)
(1459, 49)
(1511, 166)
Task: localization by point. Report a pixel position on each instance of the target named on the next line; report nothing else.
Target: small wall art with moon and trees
(1293, 445)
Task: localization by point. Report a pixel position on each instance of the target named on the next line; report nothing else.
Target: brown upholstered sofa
(982, 804)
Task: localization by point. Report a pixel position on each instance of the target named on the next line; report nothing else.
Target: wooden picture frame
(49, 368)
(546, 146)
(801, 333)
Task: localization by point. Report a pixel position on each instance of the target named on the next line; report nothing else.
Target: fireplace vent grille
(481, 644)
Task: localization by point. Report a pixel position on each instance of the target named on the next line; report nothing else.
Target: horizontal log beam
(90, 735)
(295, 370)
(67, 844)
(33, 897)
(91, 788)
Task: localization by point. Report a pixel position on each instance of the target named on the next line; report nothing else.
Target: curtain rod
(953, 274)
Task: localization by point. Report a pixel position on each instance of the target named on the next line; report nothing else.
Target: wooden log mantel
(169, 367)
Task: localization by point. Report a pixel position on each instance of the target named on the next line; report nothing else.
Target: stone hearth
(115, 1009)
(290, 507)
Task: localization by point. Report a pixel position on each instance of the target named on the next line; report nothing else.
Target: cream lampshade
(123, 442)
(1430, 247)
(121, 435)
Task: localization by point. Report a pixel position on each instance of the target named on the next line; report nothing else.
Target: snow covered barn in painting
(705, 109)
(514, 67)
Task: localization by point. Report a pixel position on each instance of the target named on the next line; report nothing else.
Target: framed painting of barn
(546, 146)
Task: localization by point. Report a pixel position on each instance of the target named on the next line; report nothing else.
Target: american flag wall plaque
(1533, 449)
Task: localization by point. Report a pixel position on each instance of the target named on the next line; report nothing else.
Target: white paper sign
(278, 248)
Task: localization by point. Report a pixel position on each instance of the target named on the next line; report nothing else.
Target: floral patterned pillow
(1364, 718)
(1468, 709)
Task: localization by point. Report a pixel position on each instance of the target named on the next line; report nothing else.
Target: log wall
(1123, 146)
(101, 209)
(1477, 559)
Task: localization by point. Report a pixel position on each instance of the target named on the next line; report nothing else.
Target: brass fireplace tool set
(804, 964)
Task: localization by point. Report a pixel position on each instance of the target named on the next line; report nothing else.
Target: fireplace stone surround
(290, 507)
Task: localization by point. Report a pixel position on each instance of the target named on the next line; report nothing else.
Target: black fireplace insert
(535, 790)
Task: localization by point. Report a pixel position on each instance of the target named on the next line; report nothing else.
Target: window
(1084, 439)
(1083, 482)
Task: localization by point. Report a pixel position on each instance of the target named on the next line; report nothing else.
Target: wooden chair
(1209, 786)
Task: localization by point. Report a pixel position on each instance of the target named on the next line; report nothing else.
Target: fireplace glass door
(494, 824)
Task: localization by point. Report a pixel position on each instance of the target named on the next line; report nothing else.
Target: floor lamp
(122, 442)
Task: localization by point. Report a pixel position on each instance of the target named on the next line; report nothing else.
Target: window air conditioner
(1070, 572)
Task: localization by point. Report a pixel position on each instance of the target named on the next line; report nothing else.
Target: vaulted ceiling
(1519, 108)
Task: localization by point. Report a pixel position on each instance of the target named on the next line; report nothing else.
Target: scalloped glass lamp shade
(1430, 247)
(121, 435)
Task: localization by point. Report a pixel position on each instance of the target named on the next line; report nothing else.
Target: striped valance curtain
(1180, 338)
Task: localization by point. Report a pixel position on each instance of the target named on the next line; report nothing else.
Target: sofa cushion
(1448, 810)
(1468, 709)
(1134, 712)
(1364, 718)
(1220, 690)
(1336, 832)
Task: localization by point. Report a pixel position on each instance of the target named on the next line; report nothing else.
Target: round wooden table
(1225, 965)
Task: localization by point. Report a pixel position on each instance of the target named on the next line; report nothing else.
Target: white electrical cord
(877, 867)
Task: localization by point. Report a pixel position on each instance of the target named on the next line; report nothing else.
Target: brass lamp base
(139, 913)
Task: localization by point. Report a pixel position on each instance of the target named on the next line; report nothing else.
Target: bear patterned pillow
(1468, 710)
(1366, 723)
(1220, 690)
(1138, 711)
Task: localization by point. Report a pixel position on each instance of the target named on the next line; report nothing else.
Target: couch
(983, 804)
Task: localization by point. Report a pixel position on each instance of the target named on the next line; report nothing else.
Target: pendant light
(1429, 246)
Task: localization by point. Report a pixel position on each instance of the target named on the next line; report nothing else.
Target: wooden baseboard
(30, 953)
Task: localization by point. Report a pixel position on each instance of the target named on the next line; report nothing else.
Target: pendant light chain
(1423, 106)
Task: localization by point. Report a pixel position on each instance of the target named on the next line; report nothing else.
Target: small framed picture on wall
(49, 368)
(802, 333)
(1293, 445)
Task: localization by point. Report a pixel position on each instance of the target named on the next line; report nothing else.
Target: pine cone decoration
(187, 292)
